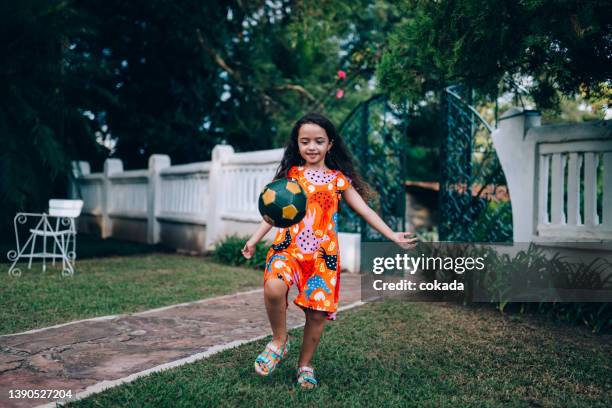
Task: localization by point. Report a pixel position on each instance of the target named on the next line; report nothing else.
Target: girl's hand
(249, 250)
(402, 239)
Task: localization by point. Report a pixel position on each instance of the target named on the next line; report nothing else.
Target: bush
(228, 252)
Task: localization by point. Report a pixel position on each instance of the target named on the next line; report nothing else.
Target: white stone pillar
(350, 251)
(214, 224)
(111, 166)
(157, 162)
(517, 155)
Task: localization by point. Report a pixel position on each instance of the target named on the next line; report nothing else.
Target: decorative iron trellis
(375, 132)
(474, 201)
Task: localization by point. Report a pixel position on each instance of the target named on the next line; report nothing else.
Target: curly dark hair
(338, 157)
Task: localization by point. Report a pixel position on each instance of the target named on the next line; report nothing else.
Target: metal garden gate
(375, 132)
(474, 200)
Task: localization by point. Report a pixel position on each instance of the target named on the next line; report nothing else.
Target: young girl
(307, 253)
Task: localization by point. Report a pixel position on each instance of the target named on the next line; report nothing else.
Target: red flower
(339, 94)
(341, 74)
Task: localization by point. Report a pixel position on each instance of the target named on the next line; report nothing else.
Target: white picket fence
(190, 206)
(550, 171)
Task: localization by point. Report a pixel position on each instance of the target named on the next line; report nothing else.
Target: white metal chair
(63, 236)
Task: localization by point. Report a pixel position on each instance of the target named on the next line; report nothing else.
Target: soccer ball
(282, 203)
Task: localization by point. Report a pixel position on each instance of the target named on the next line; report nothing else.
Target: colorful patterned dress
(307, 253)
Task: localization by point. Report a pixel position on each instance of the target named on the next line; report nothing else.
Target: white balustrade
(580, 198)
(559, 178)
(184, 193)
(219, 195)
(244, 176)
(128, 190)
(243, 185)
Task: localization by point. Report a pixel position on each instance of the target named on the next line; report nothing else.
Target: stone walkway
(88, 356)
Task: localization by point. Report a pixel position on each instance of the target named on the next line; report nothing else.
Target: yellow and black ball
(282, 202)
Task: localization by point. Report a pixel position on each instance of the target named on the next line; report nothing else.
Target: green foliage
(41, 127)
(563, 46)
(422, 163)
(424, 135)
(228, 252)
(194, 75)
(494, 223)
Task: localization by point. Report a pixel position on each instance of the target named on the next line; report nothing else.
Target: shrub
(228, 251)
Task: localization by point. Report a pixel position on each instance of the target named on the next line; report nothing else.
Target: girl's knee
(275, 290)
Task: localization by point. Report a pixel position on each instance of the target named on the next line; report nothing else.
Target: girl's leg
(313, 329)
(275, 298)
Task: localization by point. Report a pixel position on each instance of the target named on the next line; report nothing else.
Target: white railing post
(111, 166)
(214, 223)
(518, 159)
(590, 189)
(157, 162)
(573, 189)
(607, 188)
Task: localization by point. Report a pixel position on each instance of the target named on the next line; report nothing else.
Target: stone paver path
(83, 354)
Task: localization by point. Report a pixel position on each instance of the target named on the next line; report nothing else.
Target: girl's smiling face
(314, 144)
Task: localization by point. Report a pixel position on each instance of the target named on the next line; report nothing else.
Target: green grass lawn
(105, 286)
(400, 354)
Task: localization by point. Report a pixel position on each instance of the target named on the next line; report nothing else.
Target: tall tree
(41, 128)
(565, 47)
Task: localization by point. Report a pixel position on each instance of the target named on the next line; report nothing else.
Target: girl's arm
(354, 200)
(249, 248)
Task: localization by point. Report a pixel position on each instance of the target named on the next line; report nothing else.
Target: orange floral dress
(307, 254)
